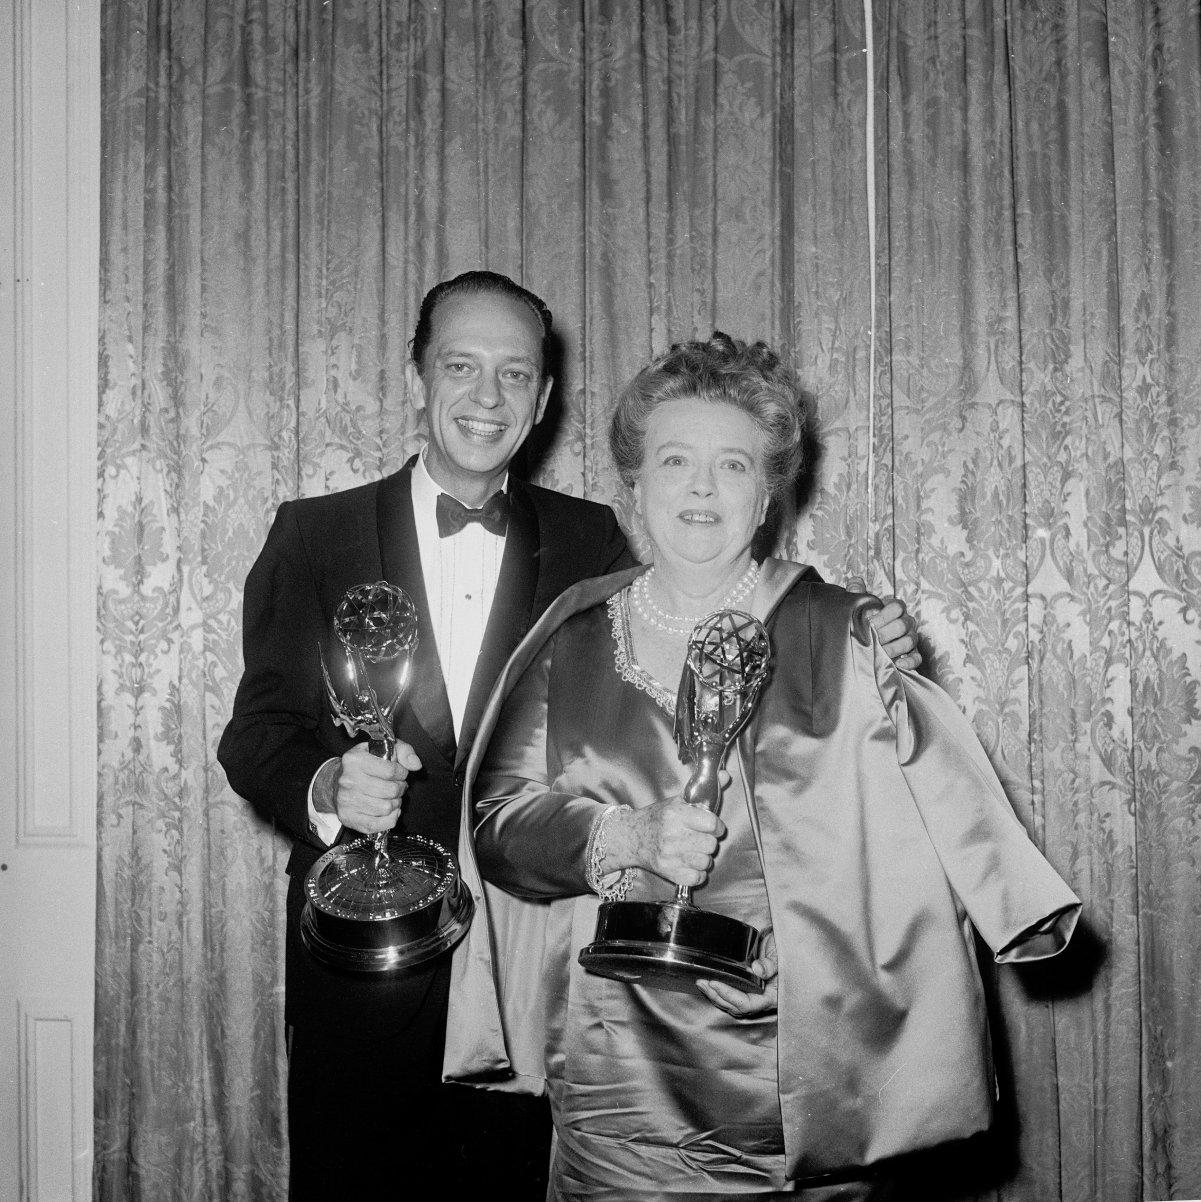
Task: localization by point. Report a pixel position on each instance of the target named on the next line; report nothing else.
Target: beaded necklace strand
(645, 607)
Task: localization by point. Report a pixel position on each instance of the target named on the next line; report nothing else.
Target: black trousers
(371, 1118)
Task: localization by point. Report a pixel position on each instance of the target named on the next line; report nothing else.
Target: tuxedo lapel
(512, 606)
(427, 703)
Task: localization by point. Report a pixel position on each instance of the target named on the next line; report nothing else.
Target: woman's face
(700, 491)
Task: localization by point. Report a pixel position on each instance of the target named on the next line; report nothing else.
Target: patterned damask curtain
(283, 179)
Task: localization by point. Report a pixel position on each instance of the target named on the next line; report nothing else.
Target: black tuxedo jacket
(281, 731)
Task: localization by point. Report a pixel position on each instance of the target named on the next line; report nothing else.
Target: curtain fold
(282, 182)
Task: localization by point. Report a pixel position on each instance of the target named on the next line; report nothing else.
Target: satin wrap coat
(884, 836)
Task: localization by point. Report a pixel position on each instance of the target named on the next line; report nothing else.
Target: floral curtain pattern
(284, 179)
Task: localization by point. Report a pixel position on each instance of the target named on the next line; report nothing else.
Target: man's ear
(543, 397)
(415, 385)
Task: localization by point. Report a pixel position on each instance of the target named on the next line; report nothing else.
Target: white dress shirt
(460, 574)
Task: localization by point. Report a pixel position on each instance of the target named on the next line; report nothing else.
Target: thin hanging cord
(870, 137)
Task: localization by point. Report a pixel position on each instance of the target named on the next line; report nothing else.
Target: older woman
(861, 827)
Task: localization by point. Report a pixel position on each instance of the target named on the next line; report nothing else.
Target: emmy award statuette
(671, 945)
(387, 901)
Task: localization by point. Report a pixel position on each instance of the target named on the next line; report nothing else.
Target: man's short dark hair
(472, 283)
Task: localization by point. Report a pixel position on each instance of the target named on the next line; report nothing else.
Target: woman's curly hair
(749, 376)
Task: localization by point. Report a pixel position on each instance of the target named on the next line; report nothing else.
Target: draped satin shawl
(884, 837)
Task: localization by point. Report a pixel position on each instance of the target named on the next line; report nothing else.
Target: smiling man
(479, 379)
(482, 554)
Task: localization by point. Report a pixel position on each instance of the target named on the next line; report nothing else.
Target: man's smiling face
(482, 387)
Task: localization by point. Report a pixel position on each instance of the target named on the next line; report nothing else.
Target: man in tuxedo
(482, 554)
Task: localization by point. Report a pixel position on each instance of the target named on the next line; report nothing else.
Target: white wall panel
(49, 237)
(55, 1068)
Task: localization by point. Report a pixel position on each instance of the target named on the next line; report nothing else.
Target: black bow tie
(453, 515)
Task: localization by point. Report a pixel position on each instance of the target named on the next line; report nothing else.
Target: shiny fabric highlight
(882, 836)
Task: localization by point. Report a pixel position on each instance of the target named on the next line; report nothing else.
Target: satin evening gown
(877, 839)
(654, 1094)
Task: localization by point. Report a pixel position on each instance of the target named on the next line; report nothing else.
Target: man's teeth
(699, 517)
(478, 427)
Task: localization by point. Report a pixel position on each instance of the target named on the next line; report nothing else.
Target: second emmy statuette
(671, 945)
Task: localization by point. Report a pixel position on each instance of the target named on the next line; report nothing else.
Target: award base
(370, 914)
(671, 945)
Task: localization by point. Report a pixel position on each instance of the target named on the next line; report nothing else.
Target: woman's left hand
(748, 1005)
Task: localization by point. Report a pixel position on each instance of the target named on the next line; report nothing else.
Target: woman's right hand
(670, 838)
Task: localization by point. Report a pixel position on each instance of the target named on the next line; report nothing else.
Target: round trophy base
(670, 945)
(368, 914)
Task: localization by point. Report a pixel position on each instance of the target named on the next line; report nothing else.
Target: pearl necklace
(652, 615)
